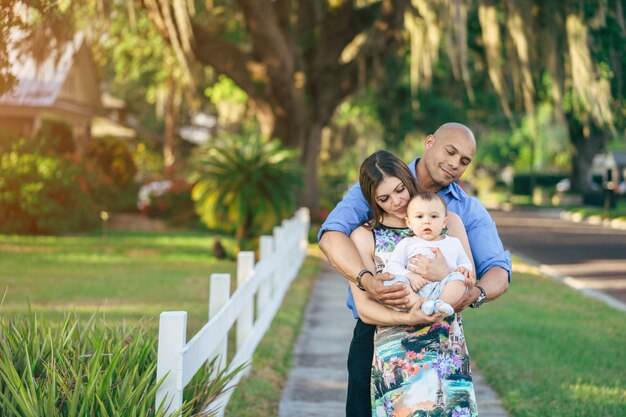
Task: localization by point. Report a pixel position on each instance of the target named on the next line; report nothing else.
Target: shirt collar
(452, 189)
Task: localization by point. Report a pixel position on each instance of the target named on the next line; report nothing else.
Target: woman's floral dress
(419, 370)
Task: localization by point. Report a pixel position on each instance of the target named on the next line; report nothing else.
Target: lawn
(550, 351)
(545, 348)
(132, 277)
(127, 276)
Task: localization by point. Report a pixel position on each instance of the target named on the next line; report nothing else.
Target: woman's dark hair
(373, 170)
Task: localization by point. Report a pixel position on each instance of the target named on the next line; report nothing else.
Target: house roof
(41, 85)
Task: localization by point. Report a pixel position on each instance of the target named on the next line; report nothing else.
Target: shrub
(112, 170)
(89, 369)
(522, 182)
(43, 194)
(174, 203)
(54, 138)
(245, 183)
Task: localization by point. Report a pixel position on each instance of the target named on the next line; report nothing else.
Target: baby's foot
(428, 307)
(443, 308)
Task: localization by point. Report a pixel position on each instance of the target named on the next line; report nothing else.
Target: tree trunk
(309, 198)
(588, 141)
(169, 145)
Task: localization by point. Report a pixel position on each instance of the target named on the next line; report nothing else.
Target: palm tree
(245, 183)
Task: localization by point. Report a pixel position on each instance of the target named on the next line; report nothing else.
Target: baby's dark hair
(428, 196)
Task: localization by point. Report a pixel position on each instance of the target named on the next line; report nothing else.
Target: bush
(87, 369)
(245, 183)
(597, 198)
(522, 183)
(112, 174)
(54, 138)
(174, 204)
(43, 194)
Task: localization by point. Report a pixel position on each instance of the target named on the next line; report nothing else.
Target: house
(65, 90)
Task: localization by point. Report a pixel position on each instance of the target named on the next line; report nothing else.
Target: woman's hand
(434, 269)
(417, 316)
(396, 295)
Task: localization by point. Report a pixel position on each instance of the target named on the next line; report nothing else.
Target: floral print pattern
(419, 370)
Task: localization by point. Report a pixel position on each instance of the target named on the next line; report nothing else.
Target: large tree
(570, 53)
(296, 60)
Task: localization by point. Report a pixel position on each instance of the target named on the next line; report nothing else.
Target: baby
(426, 216)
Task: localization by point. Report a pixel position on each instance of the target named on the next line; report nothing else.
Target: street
(594, 256)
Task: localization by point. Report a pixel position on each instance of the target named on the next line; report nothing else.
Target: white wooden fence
(281, 257)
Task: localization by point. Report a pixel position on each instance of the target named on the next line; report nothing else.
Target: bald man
(448, 152)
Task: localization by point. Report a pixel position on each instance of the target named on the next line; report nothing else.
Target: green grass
(133, 277)
(550, 351)
(127, 276)
(545, 348)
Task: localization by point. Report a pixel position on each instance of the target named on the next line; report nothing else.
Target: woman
(420, 366)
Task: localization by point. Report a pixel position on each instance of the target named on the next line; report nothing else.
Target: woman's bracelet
(357, 280)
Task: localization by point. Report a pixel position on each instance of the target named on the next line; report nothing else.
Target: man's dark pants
(359, 403)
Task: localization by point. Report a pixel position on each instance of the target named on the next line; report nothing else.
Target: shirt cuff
(333, 227)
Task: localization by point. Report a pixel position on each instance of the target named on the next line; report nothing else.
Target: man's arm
(493, 263)
(495, 282)
(351, 212)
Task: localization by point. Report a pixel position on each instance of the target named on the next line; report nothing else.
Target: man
(447, 154)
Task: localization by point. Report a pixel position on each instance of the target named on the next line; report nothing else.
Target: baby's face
(426, 218)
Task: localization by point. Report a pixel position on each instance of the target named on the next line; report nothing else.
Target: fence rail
(281, 257)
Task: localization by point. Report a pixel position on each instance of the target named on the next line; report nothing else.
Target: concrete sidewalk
(317, 383)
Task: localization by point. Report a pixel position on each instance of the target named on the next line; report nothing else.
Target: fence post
(266, 248)
(304, 217)
(279, 244)
(218, 297)
(172, 339)
(245, 265)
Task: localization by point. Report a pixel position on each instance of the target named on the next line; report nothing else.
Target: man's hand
(396, 295)
(470, 276)
(470, 296)
(434, 269)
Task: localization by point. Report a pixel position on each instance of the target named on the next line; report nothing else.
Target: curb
(617, 223)
(572, 282)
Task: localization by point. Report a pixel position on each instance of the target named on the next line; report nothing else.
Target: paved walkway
(317, 383)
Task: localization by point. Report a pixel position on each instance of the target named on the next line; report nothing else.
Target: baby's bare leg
(453, 292)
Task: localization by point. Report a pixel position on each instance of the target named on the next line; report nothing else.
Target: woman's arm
(370, 311)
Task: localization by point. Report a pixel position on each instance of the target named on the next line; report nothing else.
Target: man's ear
(430, 140)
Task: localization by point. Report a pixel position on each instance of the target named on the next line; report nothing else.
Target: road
(594, 256)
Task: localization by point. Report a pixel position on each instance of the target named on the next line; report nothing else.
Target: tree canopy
(420, 62)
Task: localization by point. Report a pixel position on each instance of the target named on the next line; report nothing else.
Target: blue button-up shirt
(487, 249)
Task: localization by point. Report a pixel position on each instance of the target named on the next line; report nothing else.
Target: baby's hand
(416, 280)
(463, 270)
(470, 277)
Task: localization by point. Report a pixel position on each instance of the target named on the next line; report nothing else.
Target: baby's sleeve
(396, 264)
(462, 258)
